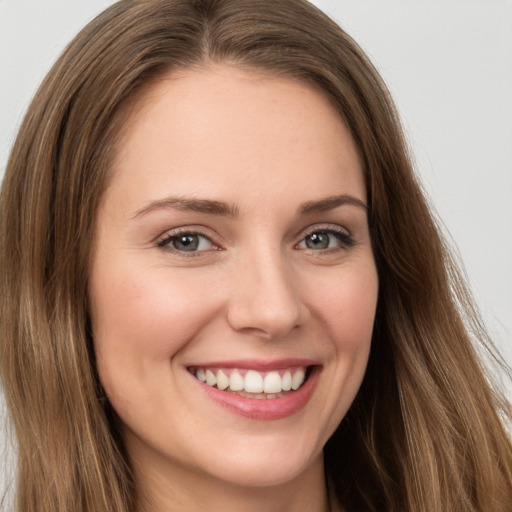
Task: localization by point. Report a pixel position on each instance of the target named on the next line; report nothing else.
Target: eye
(187, 242)
(325, 239)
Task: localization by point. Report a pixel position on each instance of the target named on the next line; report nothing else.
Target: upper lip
(257, 364)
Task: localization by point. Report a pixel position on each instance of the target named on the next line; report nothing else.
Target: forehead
(202, 128)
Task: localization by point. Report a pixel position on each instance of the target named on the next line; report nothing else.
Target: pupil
(187, 243)
(318, 241)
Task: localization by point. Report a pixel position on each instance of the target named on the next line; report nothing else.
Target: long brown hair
(425, 431)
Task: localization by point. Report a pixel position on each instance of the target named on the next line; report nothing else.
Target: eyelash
(165, 242)
(345, 239)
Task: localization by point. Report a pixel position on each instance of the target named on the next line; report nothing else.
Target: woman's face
(232, 247)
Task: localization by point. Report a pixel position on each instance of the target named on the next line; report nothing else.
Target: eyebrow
(221, 208)
(331, 202)
(191, 205)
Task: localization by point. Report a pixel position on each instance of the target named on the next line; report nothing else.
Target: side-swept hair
(424, 433)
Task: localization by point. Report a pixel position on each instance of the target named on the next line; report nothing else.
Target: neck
(183, 490)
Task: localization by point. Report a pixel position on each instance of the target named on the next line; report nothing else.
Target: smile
(259, 391)
(253, 383)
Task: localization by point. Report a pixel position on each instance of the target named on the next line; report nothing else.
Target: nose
(265, 299)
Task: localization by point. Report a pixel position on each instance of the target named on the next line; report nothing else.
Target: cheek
(343, 302)
(348, 307)
(142, 318)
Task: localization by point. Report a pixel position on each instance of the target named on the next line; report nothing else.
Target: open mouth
(250, 383)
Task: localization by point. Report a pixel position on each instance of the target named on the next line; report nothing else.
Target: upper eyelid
(164, 243)
(323, 227)
(343, 234)
(184, 230)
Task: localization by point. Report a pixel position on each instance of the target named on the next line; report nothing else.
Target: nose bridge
(265, 300)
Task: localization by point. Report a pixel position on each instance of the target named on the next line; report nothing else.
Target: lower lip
(264, 409)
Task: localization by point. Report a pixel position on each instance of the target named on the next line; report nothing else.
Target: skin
(264, 146)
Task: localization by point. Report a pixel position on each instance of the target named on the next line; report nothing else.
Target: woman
(223, 288)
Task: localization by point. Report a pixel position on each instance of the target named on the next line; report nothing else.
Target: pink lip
(258, 364)
(272, 409)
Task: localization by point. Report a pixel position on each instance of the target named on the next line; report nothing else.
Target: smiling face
(233, 286)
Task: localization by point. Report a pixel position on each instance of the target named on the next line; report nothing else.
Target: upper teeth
(252, 381)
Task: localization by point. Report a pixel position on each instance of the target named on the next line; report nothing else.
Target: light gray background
(448, 64)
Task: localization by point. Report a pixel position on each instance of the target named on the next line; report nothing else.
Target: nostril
(255, 331)
(270, 319)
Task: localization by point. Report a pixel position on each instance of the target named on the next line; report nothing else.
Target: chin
(263, 470)
(268, 458)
